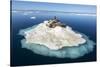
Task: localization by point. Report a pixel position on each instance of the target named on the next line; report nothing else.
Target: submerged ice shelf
(52, 38)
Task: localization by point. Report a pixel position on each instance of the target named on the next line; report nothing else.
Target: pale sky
(30, 5)
(87, 2)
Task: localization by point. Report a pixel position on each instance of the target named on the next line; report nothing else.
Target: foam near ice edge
(65, 52)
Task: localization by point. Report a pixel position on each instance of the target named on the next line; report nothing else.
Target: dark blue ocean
(83, 23)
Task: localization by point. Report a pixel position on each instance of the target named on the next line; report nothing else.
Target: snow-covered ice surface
(56, 42)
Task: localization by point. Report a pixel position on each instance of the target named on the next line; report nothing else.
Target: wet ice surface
(69, 48)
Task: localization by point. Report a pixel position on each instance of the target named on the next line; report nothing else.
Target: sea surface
(20, 19)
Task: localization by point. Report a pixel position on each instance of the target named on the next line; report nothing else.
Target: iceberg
(54, 39)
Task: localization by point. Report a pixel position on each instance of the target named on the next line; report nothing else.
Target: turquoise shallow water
(65, 52)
